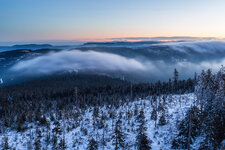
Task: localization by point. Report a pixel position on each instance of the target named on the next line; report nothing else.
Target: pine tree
(92, 145)
(62, 144)
(205, 144)
(37, 144)
(38, 132)
(57, 128)
(175, 80)
(54, 141)
(169, 86)
(185, 132)
(118, 137)
(141, 139)
(154, 115)
(195, 78)
(5, 144)
(210, 92)
(162, 120)
(47, 138)
(19, 125)
(44, 121)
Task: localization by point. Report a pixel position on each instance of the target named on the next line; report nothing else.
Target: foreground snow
(79, 131)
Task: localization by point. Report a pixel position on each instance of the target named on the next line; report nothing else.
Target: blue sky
(26, 20)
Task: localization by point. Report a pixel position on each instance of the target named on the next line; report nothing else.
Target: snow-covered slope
(78, 130)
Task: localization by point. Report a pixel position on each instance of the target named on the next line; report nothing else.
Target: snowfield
(79, 130)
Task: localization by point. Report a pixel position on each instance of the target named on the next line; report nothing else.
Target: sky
(40, 20)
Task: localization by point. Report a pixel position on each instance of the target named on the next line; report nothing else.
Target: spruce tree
(54, 141)
(6, 144)
(154, 115)
(162, 120)
(210, 93)
(57, 128)
(92, 145)
(118, 137)
(181, 140)
(62, 144)
(175, 81)
(37, 144)
(141, 139)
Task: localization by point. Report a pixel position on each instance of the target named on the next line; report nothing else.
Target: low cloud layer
(143, 63)
(77, 61)
(204, 46)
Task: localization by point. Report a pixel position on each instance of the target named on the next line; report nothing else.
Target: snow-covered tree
(142, 140)
(118, 137)
(162, 120)
(189, 128)
(62, 144)
(210, 92)
(92, 144)
(6, 143)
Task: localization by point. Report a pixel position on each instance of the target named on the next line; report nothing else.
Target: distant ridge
(121, 43)
(32, 45)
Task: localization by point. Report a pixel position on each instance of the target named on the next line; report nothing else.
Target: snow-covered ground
(78, 131)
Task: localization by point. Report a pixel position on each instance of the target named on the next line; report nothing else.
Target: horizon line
(80, 41)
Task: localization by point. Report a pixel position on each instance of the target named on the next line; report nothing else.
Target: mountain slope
(79, 126)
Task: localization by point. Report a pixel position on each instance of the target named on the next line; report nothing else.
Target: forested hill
(35, 102)
(82, 89)
(93, 112)
(65, 85)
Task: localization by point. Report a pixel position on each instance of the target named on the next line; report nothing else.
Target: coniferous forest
(86, 111)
